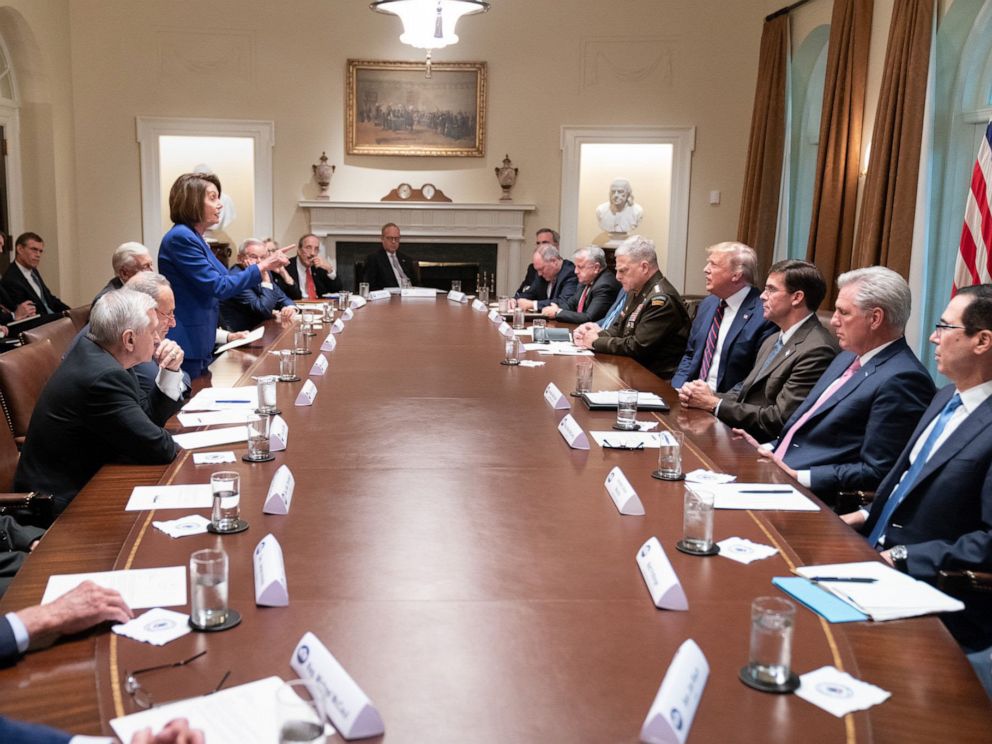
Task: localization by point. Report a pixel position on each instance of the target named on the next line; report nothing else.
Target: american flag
(974, 264)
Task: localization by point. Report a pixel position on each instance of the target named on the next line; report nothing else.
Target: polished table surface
(470, 571)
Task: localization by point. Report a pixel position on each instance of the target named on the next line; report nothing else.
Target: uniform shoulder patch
(659, 301)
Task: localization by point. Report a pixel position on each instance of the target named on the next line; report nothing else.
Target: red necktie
(311, 287)
(582, 299)
(711, 339)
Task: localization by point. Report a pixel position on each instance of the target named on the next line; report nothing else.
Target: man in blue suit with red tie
(849, 431)
(933, 511)
(730, 325)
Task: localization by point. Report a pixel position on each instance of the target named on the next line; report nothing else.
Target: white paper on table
(211, 437)
(245, 714)
(213, 458)
(157, 627)
(212, 418)
(756, 496)
(708, 476)
(611, 398)
(891, 596)
(621, 439)
(244, 398)
(744, 551)
(140, 587)
(838, 692)
(531, 363)
(193, 524)
(561, 348)
(251, 338)
(190, 496)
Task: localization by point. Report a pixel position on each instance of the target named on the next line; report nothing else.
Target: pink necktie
(783, 446)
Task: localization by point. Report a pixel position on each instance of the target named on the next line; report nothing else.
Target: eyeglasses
(142, 698)
(167, 316)
(940, 327)
(638, 446)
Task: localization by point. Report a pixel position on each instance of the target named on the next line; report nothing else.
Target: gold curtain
(763, 176)
(835, 190)
(888, 204)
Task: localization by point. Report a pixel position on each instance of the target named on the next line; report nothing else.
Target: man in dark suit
(388, 266)
(22, 280)
(730, 326)
(257, 304)
(311, 274)
(855, 421)
(933, 511)
(653, 325)
(92, 410)
(556, 280)
(16, 542)
(788, 364)
(544, 236)
(597, 289)
(128, 259)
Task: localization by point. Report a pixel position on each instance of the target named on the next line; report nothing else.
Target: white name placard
(379, 294)
(478, 305)
(307, 393)
(337, 326)
(505, 329)
(280, 492)
(278, 434)
(674, 707)
(623, 494)
(572, 433)
(665, 587)
(270, 574)
(329, 343)
(320, 363)
(356, 301)
(494, 316)
(349, 708)
(457, 296)
(554, 398)
(348, 314)
(418, 292)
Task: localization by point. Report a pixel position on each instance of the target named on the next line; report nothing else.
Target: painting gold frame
(394, 109)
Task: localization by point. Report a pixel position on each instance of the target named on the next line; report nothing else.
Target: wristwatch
(899, 554)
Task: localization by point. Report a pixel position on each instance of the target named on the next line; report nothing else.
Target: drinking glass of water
(300, 711)
(259, 428)
(770, 658)
(208, 577)
(697, 523)
(226, 488)
(627, 410)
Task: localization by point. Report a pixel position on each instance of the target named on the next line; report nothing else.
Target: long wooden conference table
(470, 571)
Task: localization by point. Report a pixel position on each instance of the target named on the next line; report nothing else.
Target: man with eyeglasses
(389, 266)
(933, 511)
(308, 277)
(789, 362)
(257, 304)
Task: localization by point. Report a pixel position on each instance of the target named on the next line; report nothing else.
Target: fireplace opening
(440, 263)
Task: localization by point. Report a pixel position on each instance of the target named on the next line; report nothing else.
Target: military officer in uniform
(654, 324)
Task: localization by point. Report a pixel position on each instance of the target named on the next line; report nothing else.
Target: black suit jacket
(253, 306)
(91, 412)
(601, 296)
(322, 282)
(20, 291)
(565, 286)
(379, 272)
(15, 541)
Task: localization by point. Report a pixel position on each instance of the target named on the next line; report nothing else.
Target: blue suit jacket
(566, 285)
(252, 306)
(945, 520)
(199, 282)
(854, 438)
(740, 347)
(17, 732)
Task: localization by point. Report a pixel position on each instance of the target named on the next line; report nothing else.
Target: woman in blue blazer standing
(198, 279)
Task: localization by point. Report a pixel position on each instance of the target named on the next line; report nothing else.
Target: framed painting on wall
(393, 109)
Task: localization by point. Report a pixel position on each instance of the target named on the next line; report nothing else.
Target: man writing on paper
(849, 431)
(933, 511)
(555, 282)
(255, 305)
(730, 325)
(92, 411)
(653, 325)
(788, 364)
(597, 289)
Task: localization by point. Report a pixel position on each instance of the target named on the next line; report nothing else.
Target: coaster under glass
(233, 620)
(682, 547)
(240, 525)
(658, 475)
(790, 685)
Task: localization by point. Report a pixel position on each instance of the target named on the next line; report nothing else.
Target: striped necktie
(711, 339)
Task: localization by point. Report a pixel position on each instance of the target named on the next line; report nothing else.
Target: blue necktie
(614, 311)
(908, 480)
(775, 350)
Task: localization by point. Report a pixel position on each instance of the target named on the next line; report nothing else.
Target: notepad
(823, 603)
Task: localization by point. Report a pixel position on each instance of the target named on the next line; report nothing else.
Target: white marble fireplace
(441, 222)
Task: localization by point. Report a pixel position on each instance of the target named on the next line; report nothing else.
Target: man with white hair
(128, 259)
(654, 324)
(257, 304)
(555, 282)
(848, 433)
(596, 292)
(620, 214)
(93, 412)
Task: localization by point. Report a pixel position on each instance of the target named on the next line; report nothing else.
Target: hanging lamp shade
(429, 24)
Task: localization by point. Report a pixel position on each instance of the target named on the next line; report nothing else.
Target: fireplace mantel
(443, 222)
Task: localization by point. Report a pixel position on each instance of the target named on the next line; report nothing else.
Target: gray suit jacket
(769, 396)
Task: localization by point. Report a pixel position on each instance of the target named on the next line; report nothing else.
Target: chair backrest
(60, 332)
(80, 316)
(24, 372)
(8, 461)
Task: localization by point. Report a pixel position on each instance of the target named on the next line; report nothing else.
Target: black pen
(846, 579)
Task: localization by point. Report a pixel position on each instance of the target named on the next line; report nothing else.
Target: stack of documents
(879, 591)
(605, 399)
(756, 496)
(249, 339)
(224, 399)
